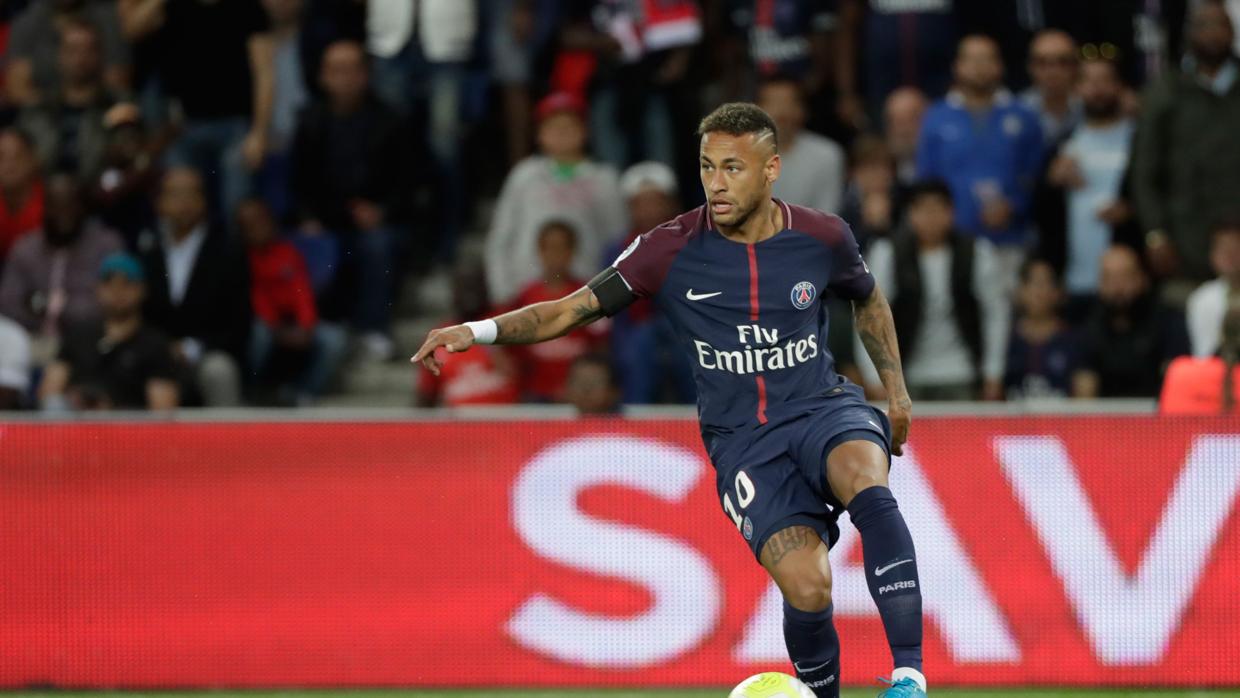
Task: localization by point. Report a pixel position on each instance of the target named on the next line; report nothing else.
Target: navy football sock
(891, 571)
(814, 648)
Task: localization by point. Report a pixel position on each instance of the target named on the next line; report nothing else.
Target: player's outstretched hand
(455, 338)
(899, 412)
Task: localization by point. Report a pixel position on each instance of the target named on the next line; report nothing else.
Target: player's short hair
(927, 188)
(739, 119)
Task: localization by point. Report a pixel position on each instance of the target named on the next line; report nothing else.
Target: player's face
(737, 173)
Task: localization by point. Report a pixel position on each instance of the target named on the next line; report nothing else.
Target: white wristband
(484, 331)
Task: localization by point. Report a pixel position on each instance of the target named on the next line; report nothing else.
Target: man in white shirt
(1208, 304)
(944, 286)
(813, 165)
(14, 364)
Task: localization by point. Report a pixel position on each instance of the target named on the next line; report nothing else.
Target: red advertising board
(1082, 550)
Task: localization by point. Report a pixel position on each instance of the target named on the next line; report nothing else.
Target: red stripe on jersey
(761, 399)
(753, 282)
(753, 315)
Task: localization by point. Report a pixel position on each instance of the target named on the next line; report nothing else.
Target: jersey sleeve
(850, 277)
(640, 269)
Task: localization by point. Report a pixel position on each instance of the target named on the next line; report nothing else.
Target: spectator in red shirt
(544, 367)
(484, 375)
(21, 189)
(289, 343)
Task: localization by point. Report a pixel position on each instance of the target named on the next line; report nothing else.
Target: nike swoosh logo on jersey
(880, 571)
(699, 296)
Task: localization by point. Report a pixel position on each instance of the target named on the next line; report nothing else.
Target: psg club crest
(803, 295)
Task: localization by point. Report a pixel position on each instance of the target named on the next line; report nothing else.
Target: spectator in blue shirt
(988, 148)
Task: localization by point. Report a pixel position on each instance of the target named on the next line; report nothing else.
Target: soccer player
(793, 443)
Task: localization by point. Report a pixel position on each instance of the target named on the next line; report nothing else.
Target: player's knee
(853, 467)
(809, 592)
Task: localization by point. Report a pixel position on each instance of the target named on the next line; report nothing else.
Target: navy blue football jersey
(751, 317)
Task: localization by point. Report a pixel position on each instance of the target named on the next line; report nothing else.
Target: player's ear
(773, 166)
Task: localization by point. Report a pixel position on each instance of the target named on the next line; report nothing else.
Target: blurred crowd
(218, 202)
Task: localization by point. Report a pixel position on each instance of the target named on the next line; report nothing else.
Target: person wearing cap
(48, 280)
(118, 363)
(559, 183)
(649, 372)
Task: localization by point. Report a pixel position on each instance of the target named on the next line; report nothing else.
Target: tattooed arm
(534, 323)
(878, 333)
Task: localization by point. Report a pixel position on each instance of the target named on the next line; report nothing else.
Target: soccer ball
(771, 684)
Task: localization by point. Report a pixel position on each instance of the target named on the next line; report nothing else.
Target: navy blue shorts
(775, 476)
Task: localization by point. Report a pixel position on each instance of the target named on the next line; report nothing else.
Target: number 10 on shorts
(745, 493)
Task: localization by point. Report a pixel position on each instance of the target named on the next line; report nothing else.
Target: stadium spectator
(15, 364)
(1089, 169)
(21, 189)
(284, 48)
(988, 148)
(872, 199)
(1186, 165)
(812, 171)
(49, 280)
(641, 347)
(591, 386)
(1054, 65)
(287, 330)
(1042, 351)
(422, 53)
(484, 375)
(543, 367)
(903, 113)
(1207, 385)
(35, 45)
(123, 190)
(640, 103)
(521, 31)
(351, 181)
(898, 45)
(560, 183)
(67, 124)
(765, 38)
(221, 105)
(951, 323)
(117, 362)
(199, 293)
(1208, 304)
(1130, 337)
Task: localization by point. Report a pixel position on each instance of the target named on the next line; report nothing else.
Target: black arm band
(612, 291)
